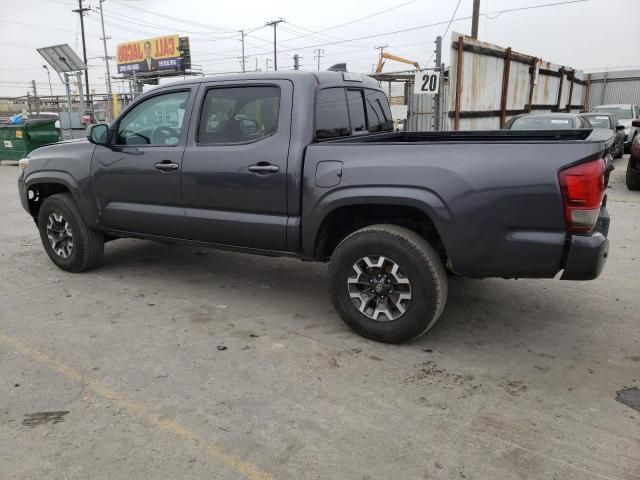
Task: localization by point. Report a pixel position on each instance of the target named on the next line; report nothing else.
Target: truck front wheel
(68, 241)
(387, 283)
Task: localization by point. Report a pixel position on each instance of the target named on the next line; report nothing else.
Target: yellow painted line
(215, 451)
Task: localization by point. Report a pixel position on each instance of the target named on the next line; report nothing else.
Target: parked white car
(626, 114)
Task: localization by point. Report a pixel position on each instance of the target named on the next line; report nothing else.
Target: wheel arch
(40, 185)
(350, 209)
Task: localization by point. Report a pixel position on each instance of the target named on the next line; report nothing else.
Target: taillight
(582, 193)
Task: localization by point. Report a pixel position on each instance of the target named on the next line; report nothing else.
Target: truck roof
(321, 78)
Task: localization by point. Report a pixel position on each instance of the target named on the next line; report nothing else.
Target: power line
(358, 19)
(446, 29)
(175, 19)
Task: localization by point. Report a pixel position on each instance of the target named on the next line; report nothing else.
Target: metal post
(587, 92)
(604, 86)
(82, 103)
(80, 10)
(459, 66)
(561, 72)
(296, 62)
(29, 102)
(436, 97)
(67, 87)
(274, 24)
(35, 97)
(106, 62)
(573, 76)
(532, 83)
(318, 53)
(505, 87)
(243, 59)
(475, 18)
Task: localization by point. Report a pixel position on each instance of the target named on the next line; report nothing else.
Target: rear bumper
(588, 253)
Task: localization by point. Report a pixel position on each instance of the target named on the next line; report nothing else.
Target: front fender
(422, 199)
(76, 189)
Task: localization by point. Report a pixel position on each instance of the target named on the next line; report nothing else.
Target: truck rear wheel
(387, 283)
(68, 241)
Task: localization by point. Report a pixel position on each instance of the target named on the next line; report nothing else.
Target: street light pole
(48, 75)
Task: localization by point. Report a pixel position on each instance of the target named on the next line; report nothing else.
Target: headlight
(22, 164)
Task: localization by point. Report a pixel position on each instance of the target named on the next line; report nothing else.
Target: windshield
(623, 113)
(542, 123)
(598, 121)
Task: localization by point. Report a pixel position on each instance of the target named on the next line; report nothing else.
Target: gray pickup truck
(308, 165)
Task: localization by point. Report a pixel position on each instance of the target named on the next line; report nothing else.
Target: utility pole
(35, 97)
(318, 53)
(436, 97)
(80, 10)
(381, 48)
(106, 62)
(296, 62)
(266, 61)
(475, 18)
(256, 64)
(274, 24)
(243, 59)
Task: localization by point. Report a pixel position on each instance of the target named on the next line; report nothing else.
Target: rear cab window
(343, 111)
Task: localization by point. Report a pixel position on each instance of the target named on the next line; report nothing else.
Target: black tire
(420, 264)
(87, 244)
(632, 178)
(620, 151)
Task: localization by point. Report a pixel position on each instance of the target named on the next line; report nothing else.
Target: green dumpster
(16, 141)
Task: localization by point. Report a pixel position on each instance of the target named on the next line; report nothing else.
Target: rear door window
(332, 116)
(239, 114)
(356, 111)
(378, 111)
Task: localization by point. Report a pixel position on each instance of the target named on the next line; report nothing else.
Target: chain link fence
(412, 112)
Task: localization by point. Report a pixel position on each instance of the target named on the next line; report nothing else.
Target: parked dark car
(626, 114)
(547, 121)
(633, 167)
(307, 165)
(609, 121)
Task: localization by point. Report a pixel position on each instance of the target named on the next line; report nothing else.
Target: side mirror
(98, 134)
(636, 123)
(620, 127)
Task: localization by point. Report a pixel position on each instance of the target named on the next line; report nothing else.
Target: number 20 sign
(427, 81)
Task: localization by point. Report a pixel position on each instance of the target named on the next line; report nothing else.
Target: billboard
(150, 55)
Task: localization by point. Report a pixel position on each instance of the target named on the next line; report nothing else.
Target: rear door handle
(263, 167)
(167, 166)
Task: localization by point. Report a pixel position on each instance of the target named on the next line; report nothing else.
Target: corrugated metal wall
(614, 87)
(482, 75)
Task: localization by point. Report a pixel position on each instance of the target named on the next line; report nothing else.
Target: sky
(589, 35)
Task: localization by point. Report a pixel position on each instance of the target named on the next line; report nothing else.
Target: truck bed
(494, 196)
(504, 136)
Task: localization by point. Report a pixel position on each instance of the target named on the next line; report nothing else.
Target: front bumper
(22, 192)
(588, 253)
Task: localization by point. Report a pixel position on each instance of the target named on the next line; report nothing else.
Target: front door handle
(167, 166)
(263, 167)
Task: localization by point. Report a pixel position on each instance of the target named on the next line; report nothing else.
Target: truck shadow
(479, 313)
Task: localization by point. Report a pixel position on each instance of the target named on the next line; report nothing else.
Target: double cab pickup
(306, 164)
